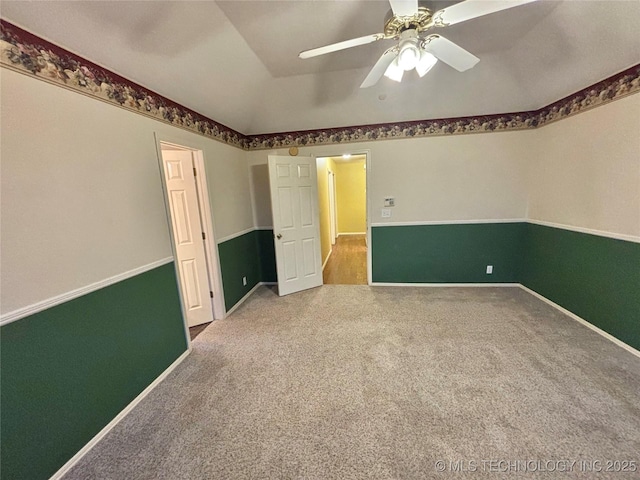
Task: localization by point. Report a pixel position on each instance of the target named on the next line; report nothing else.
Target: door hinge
(204, 237)
(210, 293)
(195, 173)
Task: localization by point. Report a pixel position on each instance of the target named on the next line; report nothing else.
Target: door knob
(279, 236)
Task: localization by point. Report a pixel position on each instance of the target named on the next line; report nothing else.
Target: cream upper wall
(467, 177)
(462, 177)
(260, 195)
(82, 198)
(260, 191)
(351, 195)
(587, 173)
(229, 188)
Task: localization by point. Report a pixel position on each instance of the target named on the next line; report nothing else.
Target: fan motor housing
(395, 25)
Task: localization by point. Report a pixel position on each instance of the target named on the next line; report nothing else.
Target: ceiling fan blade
(450, 53)
(463, 11)
(404, 8)
(334, 47)
(380, 67)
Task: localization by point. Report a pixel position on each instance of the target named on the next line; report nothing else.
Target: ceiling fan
(407, 22)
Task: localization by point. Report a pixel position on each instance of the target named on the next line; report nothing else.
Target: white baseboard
(569, 313)
(101, 434)
(247, 295)
(386, 284)
(351, 233)
(327, 259)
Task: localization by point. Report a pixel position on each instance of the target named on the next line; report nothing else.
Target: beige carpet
(347, 382)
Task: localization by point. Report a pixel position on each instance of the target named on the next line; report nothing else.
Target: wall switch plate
(389, 202)
(489, 269)
(244, 281)
(386, 213)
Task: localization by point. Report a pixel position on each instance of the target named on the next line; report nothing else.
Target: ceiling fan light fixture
(408, 22)
(426, 63)
(394, 71)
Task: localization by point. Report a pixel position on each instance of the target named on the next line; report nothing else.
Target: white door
(296, 228)
(188, 235)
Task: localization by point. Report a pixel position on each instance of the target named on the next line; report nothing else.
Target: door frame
(206, 218)
(367, 154)
(333, 210)
(210, 245)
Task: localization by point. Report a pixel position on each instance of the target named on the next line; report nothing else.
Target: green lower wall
(597, 278)
(454, 253)
(267, 252)
(69, 370)
(250, 255)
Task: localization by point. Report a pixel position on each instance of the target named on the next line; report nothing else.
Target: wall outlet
(244, 281)
(386, 213)
(489, 269)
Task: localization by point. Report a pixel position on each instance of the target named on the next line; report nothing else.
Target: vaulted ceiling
(237, 61)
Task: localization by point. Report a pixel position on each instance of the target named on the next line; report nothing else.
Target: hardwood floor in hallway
(195, 331)
(347, 264)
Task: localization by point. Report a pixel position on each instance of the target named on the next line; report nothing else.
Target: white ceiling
(236, 61)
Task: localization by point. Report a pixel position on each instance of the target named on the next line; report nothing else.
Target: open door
(188, 235)
(296, 226)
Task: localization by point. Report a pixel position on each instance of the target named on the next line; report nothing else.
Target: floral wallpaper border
(27, 53)
(613, 88)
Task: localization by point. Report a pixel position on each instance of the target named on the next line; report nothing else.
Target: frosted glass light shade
(426, 63)
(394, 71)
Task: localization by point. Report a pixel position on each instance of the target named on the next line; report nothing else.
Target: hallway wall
(351, 195)
(324, 165)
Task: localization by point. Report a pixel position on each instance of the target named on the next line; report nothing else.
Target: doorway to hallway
(342, 200)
